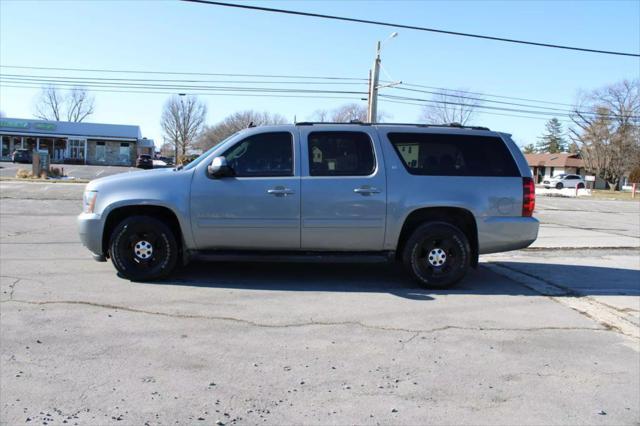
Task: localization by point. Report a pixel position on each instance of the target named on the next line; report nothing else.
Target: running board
(292, 256)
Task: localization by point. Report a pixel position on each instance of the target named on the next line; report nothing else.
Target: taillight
(528, 197)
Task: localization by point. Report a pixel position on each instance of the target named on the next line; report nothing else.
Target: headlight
(89, 201)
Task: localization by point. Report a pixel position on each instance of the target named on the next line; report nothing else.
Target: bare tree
(321, 115)
(451, 106)
(80, 104)
(349, 112)
(182, 122)
(49, 104)
(75, 105)
(607, 130)
(167, 149)
(215, 134)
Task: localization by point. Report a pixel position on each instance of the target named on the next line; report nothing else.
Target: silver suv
(432, 197)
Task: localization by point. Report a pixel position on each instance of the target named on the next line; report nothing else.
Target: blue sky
(186, 37)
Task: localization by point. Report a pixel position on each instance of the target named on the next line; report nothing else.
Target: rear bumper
(90, 230)
(496, 234)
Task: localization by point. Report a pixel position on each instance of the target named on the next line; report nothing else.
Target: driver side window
(261, 155)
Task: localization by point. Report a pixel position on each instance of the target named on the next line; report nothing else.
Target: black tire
(129, 248)
(580, 185)
(424, 243)
(559, 185)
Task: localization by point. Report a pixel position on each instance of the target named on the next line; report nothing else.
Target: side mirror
(219, 168)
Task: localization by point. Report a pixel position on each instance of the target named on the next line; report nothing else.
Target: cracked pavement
(531, 337)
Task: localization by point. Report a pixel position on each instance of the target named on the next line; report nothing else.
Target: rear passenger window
(453, 155)
(340, 154)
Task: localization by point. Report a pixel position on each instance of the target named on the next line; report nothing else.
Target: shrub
(634, 177)
(24, 174)
(55, 172)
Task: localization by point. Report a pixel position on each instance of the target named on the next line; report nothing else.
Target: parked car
(168, 160)
(22, 156)
(564, 181)
(159, 163)
(144, 162)
(431, 197)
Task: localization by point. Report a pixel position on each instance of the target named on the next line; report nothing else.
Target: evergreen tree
(552, 140)
(529, 149)
(573, 148)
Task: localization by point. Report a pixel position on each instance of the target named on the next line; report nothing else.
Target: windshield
(205, 154)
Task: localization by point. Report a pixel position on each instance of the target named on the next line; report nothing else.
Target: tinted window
(340, 154)
(265, 154)
(453, 155)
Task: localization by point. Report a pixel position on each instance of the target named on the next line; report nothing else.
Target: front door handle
(280, 191)
(366, 190)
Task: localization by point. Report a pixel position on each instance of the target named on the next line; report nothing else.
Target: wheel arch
(118, 214)
(457, 216)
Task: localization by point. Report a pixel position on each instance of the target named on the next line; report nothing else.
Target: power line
(410, 27)
(156, 92)
(179, 87)
(109, 79)
(403, 98)
(482, 112)
(454, 94)
(104, 70)
(485, 94)
(275, 76)
(96, 82)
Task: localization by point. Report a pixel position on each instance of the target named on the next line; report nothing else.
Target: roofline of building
(60, 135)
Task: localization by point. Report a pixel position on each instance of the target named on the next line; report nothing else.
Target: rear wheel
(580, 185)
(143, 248)
(437, 255)
(559, 185)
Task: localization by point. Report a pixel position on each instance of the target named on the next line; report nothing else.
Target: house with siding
(546, 165)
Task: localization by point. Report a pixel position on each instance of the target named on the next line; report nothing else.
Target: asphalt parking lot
(547, 335)
(9, 170)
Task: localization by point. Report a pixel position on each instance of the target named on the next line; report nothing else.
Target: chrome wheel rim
(437, 257)
(143, 250)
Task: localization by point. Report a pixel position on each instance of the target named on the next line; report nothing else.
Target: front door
(256, 208)
(343, 190)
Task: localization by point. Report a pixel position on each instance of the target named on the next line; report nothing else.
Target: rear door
(343, 189)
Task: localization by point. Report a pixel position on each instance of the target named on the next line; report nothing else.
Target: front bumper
(90, 228)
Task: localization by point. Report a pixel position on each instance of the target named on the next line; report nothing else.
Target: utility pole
(374, 76)
(372, 114)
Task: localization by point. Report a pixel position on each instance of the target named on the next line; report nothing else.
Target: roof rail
(359, 123)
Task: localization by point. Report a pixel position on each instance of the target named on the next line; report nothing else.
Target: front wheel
(437, 255)
(143, 248)
(559, 185)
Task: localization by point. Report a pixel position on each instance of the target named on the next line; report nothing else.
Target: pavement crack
(312, 323)
(12, 286)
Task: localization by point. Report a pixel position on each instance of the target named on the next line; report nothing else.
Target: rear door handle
(365, 190)
(280, 191)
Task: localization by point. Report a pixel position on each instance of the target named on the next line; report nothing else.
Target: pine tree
(529, 149)
(552, 140)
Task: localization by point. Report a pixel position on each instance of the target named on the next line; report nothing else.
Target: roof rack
(359, 123)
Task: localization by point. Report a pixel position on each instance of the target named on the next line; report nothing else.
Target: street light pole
(373, 88)
(374, 76)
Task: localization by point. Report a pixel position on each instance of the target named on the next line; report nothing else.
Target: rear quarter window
(431, 154)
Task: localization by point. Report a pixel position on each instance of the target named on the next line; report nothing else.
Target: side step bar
(292, 256)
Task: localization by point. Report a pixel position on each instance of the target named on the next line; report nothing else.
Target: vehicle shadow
(391, 278)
